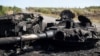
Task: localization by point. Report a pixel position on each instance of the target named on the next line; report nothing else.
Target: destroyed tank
(81, 33)
(66, 32)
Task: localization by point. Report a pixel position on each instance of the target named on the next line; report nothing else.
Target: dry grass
(95, 19)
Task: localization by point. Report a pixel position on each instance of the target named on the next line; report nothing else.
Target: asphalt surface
(48, 19)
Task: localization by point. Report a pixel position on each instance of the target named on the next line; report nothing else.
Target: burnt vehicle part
(18, 45)
(18, 24)
(15, 25)
(73, 32)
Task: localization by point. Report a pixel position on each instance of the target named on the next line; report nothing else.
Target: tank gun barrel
(9, 40)
(54, 34)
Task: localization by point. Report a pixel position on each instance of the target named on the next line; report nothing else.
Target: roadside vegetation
(92, 12)
(8, 10)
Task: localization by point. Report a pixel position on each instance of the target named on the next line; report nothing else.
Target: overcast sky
(50, 3)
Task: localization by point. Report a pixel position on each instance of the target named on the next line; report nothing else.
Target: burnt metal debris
(19, 31)
(18, 24)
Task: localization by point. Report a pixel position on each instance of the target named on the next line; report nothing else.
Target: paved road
(48, 19)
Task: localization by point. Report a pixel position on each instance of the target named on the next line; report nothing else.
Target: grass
(94, 20)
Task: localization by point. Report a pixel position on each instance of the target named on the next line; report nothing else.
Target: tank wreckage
(19, 31)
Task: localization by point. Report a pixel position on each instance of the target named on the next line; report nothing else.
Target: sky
(51, 3)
